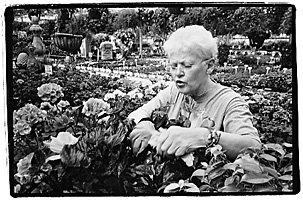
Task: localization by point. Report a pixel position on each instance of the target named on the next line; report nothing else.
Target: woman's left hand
(179, 140)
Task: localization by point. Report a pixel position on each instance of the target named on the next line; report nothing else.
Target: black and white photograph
(135, 99)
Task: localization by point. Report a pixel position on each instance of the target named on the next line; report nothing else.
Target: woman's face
(188, 72)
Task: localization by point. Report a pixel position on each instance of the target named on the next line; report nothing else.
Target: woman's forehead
(183, 57)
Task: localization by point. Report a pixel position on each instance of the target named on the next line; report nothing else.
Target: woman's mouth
(180, 83)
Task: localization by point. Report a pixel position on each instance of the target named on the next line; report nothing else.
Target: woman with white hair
(191, 51)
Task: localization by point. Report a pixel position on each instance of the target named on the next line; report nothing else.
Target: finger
(180, 151)
(136, 146)
(163, 136)
(172, 149)
(134, 134)
(161, 130)
(166, 145)
(144, 144)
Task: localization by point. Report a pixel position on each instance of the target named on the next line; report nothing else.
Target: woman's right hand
(141, 135)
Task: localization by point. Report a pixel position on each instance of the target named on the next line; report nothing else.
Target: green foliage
(101, 160)
(223, 52)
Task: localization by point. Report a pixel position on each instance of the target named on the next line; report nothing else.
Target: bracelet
(213, 138)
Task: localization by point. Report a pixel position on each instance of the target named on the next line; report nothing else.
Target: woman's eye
(173, 66)
(188, 66)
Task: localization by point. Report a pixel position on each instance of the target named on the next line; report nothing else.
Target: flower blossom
(62, 104)
(62, 139)
(46, 106)
(149, 91)
(22, 127)
(109, 96)
(24, 164)
(135, 94)
(94, 106)
(20, 81)
(119, 93)
(26, 117)
(50, 92)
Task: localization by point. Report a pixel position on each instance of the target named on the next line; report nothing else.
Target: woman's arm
(145, 111)
(238, 133)
(179, 140)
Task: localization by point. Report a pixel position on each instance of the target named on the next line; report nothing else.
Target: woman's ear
(210, 66)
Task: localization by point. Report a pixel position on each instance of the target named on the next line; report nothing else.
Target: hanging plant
(68, 37)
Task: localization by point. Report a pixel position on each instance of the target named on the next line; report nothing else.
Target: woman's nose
(179, 70)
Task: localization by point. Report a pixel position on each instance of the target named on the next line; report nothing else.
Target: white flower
(109, 96)
(94, 106)
(149, 91)
(146, 82)
(189, 159)
(119, 93)
(175, 187)
(139, 95)
(63, 138)
(133, 92)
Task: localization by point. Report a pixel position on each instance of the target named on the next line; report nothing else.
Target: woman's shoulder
(226, 90)
(226, 95)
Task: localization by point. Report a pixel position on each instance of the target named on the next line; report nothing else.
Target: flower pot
(68, 42)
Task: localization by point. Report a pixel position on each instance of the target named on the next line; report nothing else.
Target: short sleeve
(238, 119)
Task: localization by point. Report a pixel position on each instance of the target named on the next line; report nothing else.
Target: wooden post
(140, 42)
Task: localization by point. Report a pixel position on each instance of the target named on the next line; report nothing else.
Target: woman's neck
(207, 87)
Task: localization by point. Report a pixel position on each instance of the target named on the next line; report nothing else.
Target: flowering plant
(26, 117)
(83, 148)
(50, 92)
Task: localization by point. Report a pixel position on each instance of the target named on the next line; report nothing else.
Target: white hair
(195, 39)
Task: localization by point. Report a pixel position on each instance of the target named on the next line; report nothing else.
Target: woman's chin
(183, 90)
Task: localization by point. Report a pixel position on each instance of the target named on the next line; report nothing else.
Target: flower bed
(275, 81)
(71, 136)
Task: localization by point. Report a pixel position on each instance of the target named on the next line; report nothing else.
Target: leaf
(173, 187)
(288, 168)
(255, 178)
(205, 188)
(231, 166)
(249, 164)
(271, 171)
(144, 181)
(229, 188)
(276, 147)
(288, 145)
(216, 173)
(289, 155)
(54, 157)
(286, 178)
(191, 187)
(199, 173)
(269, 157)
(229, 180)
(38, 158)
(268, 188)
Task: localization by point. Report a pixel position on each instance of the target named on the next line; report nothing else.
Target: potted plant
(67, 37)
